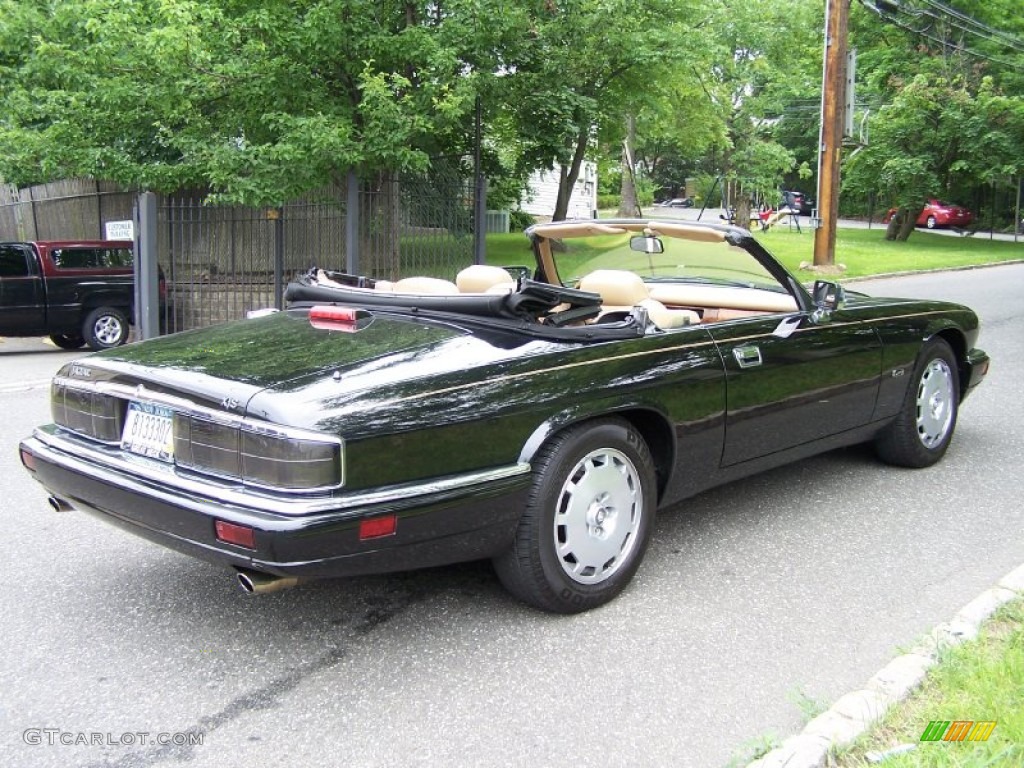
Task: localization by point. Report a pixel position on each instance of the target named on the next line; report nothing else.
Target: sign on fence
(119, 230)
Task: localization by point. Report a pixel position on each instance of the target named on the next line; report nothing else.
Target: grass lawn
(863, 251)
(980, 681)
(867, 252)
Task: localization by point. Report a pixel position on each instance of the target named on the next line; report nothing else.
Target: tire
(67, 340)
(105, 327)
(921, 433)
(930, 222)
(587, 521)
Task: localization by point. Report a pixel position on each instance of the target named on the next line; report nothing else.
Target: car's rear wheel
(105, 327)
(587, 521)
(924, 427)
(931, 222)
(67, 340)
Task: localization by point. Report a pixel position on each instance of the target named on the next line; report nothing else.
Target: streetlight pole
(833, 88)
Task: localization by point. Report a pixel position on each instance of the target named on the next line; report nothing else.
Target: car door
(22, 302)
(795, 378)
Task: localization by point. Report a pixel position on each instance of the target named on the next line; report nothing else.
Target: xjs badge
(229, 403)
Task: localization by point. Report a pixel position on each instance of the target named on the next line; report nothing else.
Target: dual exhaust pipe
(251, 582)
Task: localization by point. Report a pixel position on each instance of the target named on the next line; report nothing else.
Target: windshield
(681, 260)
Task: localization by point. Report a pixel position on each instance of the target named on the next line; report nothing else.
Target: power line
(973, 26)
(891, 10)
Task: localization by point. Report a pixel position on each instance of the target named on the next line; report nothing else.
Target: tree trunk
(907, 224)
(892, 229)
(567, 176)
(629, 206)
(900, 226)
(742, 218)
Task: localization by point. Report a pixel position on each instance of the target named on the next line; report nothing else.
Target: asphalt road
(757, 603)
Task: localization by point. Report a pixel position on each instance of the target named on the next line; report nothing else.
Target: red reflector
(376, 527)
(239, 535)
(334, 314)
(28, 460)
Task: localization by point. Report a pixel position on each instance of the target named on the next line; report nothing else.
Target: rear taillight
(28, 460)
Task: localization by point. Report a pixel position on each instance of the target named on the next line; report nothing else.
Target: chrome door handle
(747, 357)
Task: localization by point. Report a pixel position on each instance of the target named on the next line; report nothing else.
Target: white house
(541, 193)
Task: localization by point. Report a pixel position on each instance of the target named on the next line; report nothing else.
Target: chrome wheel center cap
(600, 517)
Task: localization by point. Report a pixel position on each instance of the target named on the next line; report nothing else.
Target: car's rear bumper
(436, 523)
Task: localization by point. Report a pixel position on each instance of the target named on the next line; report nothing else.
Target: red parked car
(937, 213)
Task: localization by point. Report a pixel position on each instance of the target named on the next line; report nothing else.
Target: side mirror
(646, 244)
(828, 296)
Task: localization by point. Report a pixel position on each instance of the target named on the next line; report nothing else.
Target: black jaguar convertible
(537, 416)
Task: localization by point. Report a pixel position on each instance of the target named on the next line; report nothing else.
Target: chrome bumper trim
(151, 477)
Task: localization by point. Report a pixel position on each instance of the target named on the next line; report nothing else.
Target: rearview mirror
(646, 244)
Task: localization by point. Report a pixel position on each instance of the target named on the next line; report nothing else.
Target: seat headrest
(617, 287)
(429, 285)
(479, 278)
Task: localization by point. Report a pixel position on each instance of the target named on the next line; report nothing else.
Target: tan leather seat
(620, 291)
(425, 285)
(484, 278)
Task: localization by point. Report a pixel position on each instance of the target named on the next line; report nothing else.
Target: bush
(607, 201)
(520, 220)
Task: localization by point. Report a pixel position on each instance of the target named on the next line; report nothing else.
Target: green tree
(582, 67)
(760, 62)
(260, 101)
(947, 107)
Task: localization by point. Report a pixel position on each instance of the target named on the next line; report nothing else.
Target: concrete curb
(857, 711)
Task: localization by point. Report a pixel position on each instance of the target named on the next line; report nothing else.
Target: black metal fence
(220, 261)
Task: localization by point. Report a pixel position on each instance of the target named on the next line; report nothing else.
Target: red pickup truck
(76, 292)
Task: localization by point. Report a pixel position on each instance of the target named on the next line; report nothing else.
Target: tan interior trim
(686, 231)
(719, 296)
(559, 229)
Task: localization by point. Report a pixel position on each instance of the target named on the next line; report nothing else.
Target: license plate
(149, 431)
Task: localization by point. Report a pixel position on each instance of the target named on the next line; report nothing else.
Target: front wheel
(921, 433)
(105, 327)
(587, 521)
(931, 222)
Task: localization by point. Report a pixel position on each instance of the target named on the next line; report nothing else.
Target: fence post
(279, 259)
(479, 191)
(147, 299)
(352, 224)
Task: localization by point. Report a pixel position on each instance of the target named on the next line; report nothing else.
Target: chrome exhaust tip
(59, 505)
(257, 583)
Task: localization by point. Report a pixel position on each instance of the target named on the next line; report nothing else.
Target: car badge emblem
(229, 403)
(81, 371)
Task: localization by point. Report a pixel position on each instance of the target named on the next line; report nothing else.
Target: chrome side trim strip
(148, 476)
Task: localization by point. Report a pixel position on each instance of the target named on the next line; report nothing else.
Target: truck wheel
(105, 327)
(67, 340)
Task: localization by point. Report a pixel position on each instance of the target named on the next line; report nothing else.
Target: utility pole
(833, 88)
